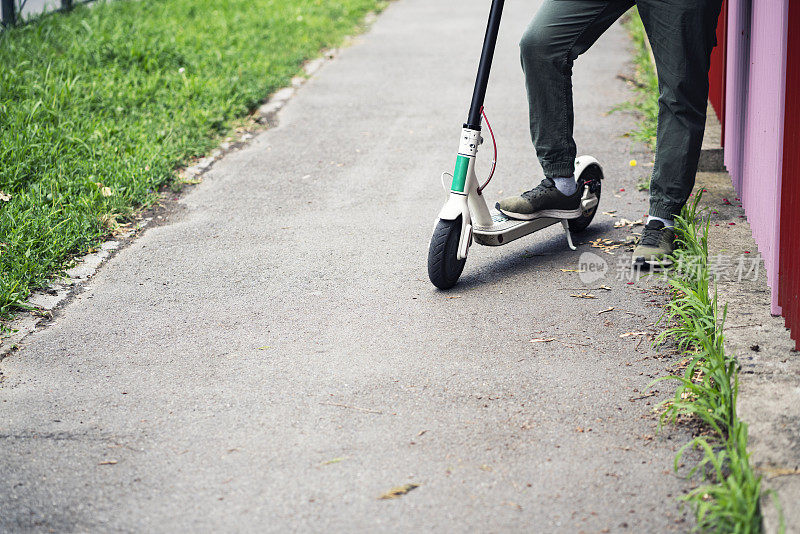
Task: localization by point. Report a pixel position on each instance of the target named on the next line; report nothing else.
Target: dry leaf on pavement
(606, 245)
(622, 223)
(334, 461)
(629, 334)
(399, 491)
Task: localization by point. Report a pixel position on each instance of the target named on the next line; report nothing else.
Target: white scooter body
(490, 227)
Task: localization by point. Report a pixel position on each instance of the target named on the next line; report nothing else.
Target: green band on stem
(460, 174)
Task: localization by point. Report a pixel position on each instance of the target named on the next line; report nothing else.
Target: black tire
(444, 268)
(591, 176)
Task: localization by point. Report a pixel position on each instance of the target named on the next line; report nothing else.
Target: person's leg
(558, 34)
(682, 35)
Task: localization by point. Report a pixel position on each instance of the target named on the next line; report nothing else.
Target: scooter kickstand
(565, 224)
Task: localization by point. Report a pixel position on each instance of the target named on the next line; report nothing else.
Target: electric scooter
(466, 216)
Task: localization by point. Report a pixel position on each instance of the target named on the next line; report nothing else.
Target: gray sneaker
(655, 247)
(544, 200)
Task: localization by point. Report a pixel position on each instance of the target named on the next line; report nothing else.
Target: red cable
(494, 161)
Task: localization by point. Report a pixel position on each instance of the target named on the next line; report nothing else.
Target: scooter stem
(485, 66)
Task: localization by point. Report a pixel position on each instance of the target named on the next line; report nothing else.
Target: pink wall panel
(754, 131)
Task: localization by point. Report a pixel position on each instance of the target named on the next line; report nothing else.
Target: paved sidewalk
(275, 358)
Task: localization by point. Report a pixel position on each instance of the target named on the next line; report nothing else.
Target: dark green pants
(682, 34)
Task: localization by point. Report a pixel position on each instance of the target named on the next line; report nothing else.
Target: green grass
(98, 107)
(729, 498)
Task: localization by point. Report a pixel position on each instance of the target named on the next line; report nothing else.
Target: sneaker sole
(555, 214)
(640, 263)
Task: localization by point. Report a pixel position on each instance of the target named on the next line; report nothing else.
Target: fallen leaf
(644, 396)
(106, 191)
(108, 462)
(399, 491)
(622, 223)
(573, 270)
(629, 334)
(584, 296)
(607, 245)
(606, 310)
(5, 197)
(543, 340)
(334, 461)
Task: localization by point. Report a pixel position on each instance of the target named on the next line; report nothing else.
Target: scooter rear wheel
(591, 177)
(444, 267)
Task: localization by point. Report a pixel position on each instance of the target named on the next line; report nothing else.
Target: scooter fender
(584, 162)
(457, 206)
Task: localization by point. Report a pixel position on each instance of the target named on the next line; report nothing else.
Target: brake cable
(494, 160)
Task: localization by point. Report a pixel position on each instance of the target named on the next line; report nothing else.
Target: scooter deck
(504, 230)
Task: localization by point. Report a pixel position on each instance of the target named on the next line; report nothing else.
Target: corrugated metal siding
(789, 277)
(754, 119)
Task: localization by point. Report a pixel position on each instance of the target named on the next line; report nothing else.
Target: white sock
(669, 223)
(566, 184)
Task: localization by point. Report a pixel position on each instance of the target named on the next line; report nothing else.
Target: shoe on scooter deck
(544, 200)
(505, 229)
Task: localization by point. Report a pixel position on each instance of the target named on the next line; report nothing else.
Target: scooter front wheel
(444, 267)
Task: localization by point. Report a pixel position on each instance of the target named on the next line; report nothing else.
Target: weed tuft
(729, 500)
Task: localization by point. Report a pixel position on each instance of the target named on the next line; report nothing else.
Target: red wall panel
(789, 263)
(716, 74)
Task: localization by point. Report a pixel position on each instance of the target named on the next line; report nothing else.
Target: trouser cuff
(559, 170)
(665, 210)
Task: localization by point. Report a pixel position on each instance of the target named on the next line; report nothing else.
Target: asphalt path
(275, 359)
(36, 7)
